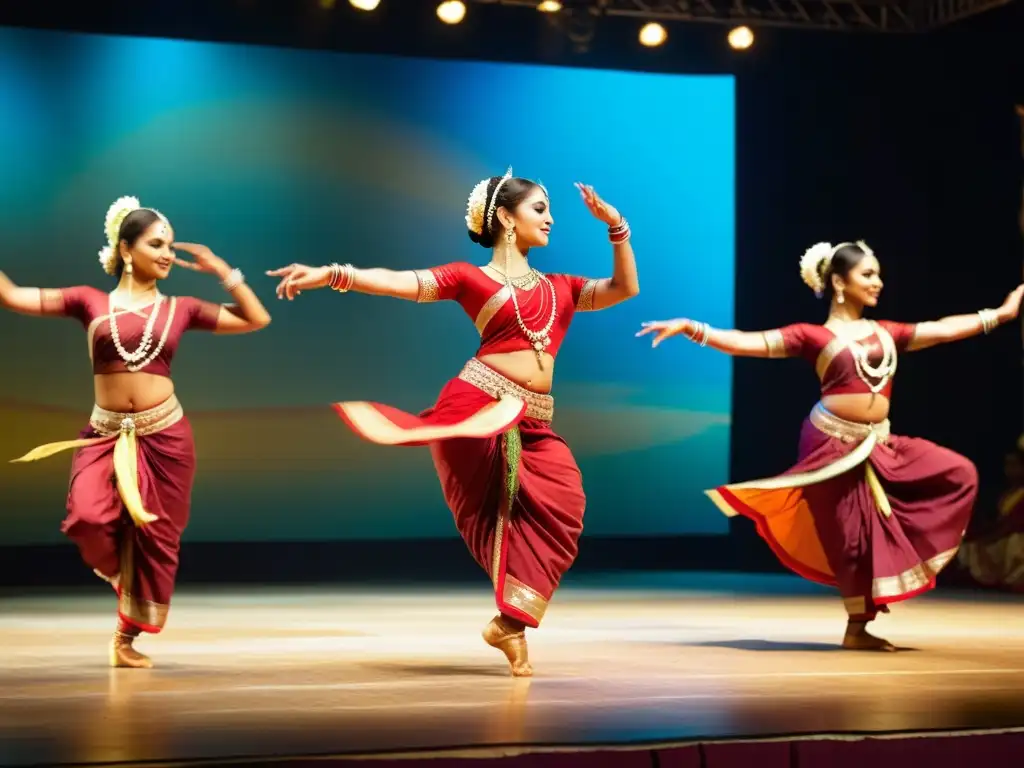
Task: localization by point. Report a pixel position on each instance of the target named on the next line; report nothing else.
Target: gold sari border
(518, 595)
(367, 421)
(538, 406)
(913, 580)
(491, 307)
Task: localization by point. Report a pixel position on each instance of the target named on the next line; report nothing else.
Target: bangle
(234, 279)
(989, 320)
(620, 232)
(703, 330)
(342, 277)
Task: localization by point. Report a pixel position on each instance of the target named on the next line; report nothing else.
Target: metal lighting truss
(836, 15)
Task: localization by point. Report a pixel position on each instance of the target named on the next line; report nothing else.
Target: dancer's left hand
(598, 207)
(206, 261)
(1011, 307)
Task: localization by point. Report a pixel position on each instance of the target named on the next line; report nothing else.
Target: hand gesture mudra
(598, 207)
(206, 261)
(1011, 306)
(296, 278)
(666, 329)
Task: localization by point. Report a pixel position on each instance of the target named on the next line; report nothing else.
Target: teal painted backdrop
(272, 156)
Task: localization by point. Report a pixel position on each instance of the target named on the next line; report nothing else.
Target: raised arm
(422, 285)
(246, 315)
(956, 327)
(624, 282)
(778, 342)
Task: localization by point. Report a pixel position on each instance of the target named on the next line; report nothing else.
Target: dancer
(511, 482)
(131, 475)
(877, 515)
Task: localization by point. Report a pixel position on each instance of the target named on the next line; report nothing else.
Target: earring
(510, 235)
(840, 299)
(128, 267)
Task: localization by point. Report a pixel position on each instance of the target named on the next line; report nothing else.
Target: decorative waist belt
(123, 428)
(109, 423)
(847, 431)
(538, 406)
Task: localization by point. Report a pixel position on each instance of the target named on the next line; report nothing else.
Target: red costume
(511, 482)
(877, 515)
(131, 468)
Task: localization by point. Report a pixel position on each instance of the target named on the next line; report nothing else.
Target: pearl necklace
(541, 339)
(142, 356)
(886, 367)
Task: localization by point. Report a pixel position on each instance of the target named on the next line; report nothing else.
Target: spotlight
(741, 38)
(652, 34)
(451, 11)
(549, 6)
(364, 5)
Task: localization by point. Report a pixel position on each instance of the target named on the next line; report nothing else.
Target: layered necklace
(145, 353)
(539, 339)
(876, 377)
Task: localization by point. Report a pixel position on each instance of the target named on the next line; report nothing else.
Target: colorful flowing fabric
(996, 558)
(128, 503)
(511, 483)
(875, 514)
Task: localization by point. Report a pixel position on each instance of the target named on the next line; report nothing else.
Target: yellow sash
(124, 428)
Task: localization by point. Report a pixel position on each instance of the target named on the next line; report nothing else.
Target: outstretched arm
(624, 283)
(404, 284)
(956, 327)
(25, 301)
(739, 343)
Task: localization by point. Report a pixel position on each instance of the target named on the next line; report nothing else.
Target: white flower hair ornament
(478, 214)
(116, 214)
(813, 264)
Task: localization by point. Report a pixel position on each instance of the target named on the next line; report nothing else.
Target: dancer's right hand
(296, 278)
(666, 329)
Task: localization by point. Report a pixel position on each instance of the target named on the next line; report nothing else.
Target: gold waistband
(847, 431)
(163, 416)
(538, 406)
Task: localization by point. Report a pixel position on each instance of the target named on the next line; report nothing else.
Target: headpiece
(479, 213)
(116, 214)
(816, 260)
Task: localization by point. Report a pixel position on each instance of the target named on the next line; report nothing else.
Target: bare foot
(122, 654)
(510, 642)
(857, 638)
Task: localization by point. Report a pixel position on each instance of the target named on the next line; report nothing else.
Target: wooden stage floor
(621, 659)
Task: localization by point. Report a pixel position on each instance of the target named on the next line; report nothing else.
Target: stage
(623, 661)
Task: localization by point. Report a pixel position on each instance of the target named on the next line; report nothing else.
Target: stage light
(741, 38)
(364, 5)
(549, 6)
(652, 34)
(451, 11)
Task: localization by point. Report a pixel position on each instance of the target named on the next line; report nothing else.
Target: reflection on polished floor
(619, 660)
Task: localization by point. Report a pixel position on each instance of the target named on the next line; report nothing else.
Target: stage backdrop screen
(273, 156)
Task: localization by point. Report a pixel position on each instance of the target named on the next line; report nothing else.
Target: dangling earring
(840, 299)
(510, 236)
(128, 267)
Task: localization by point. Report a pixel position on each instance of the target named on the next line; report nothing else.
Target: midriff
(131, 392)
(522, 368)
(862, 408)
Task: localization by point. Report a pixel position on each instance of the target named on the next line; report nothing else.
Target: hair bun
(813, 266)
